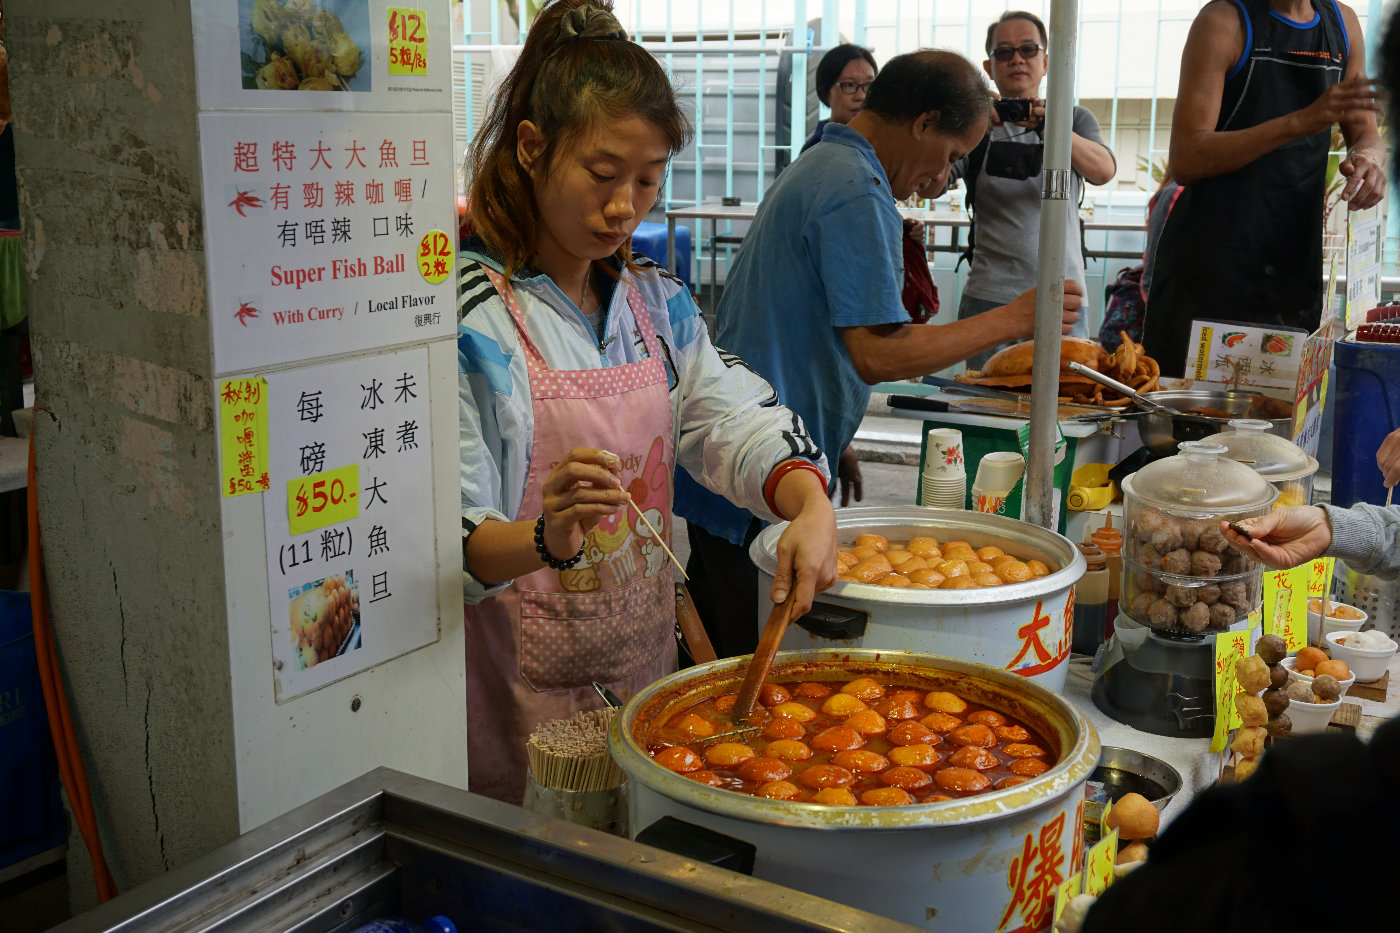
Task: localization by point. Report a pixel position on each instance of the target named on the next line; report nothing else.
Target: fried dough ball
(924, 547)
(1204, 563)
(1037, 568)
(1196, 617)
(1245, 767)
(1222, 616)
(1177, 562)
(1250, 708)
(1252, 674)
(1014, 571)
(988, 552)
(1132, 852)
(1272, 649)
(1134, 817)
(897, 580)
(1334, 667)
(878, 542)
(1327, 688)
(1275, 701)
(1249, 741)
(926, 576)
(868, 571)
(762, 770)
(958, 583)
(1309, 657)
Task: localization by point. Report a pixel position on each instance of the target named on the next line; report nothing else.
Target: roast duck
(1010, 368)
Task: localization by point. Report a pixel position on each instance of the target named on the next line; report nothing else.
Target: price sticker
(1286, 606)
(1066, 892)
(1320, 576)
(435, 256)
(408, 41)
(323, 499)
(1229, 648)
(243, 436)
(1098, 865)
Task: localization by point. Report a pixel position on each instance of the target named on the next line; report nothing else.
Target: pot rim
(1077, 760)
(763, 553)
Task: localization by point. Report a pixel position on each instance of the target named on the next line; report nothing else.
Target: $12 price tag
(435, 256)
(408, 41)
(323, 499)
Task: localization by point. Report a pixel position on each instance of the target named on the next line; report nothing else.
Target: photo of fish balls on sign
(349, 518)
(334, 233)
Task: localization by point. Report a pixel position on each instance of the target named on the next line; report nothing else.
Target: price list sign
(333, 233)
(349, 518)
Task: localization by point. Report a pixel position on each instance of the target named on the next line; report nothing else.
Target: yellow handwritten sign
(1098, 865)
(1320, 576)
(323, 499)
(1229, 648)
(1066, 892)
(243, 436)
(1103, 819)
(1286, 606)
(408, 41)
(435, 256)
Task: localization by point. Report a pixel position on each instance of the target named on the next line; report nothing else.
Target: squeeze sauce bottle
(1090, 597)
(1110, 540)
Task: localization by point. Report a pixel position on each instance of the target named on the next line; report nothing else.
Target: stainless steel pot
(1158, 429)
(1021, 627)
(948, 866)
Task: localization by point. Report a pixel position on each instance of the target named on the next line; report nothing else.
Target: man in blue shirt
(812, 302)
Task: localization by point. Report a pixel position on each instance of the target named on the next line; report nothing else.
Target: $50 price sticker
(323, 499)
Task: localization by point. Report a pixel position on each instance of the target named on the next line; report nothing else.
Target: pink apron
(534, 651)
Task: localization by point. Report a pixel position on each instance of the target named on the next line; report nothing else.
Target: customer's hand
(1285, 537)
(1022, 309)
(1388, 458)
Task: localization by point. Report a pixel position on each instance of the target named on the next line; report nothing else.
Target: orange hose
(65, 740)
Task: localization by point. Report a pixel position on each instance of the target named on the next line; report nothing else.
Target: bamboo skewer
(572, 754)
(659, 538)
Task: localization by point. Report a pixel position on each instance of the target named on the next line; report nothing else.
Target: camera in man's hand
(1013, 109)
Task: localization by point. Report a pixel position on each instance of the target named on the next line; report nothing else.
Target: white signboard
(1365, 242)
(1266, 359)
(331, 233)
(323, 55)
(349, 517)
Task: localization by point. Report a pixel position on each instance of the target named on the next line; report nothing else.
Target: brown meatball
(1234, 594)
(1167, 538)
(1222, 616)
(1180, 596)
(1272, 649)
(1327, 687)
(1177, 562)
(1209, 594)
(1204, 563)
(1233, 561)
(1275, 701)
(1278, 676)
(1279, 726)
(1142, 606)
(1197, 617)
(1161, 613)
(1149, 557)
(1213, 539)
(1147, 524)
(1191, 534)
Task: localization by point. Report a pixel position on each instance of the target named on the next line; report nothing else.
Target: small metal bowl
(1123, 771)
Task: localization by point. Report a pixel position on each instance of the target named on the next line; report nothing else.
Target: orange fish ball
(975, 567)
(837, 739)
(787, 750)
(780, 790)
(818, 776)
(986, 579)
(679, 759)
(958, 583)
(861, 761)
(988, 552)
(926, 576)
(1028, 767)
(728, 754)
(864, 688)
(944, 702)
(907, 778)
(878, 542)
(975, 734)
(765, 769)
(913, 733)
(987, 717)
(970, 756)
(842, 704)
(1011, 571)
(1011, 733)
(797, 712)
(867, 722)
(913, 756)
(962, 780)
(812, 691)
(886, 797)
(1037, 568)
(1024, 750)
(697, 727)
(896, 557)
(772, 694)
(835, 797)
(783, 729)
(922, 545)
(897, 580)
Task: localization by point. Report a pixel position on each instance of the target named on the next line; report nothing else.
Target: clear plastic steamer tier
(1180, 576)
(1283, 463)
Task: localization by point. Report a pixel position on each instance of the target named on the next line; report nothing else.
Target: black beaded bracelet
(544, 551)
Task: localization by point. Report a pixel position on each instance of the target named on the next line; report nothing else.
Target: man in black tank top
(1262, 83)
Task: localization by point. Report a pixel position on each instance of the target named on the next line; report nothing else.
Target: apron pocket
(569, 640)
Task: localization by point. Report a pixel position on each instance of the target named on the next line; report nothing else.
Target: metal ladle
(1109, 382)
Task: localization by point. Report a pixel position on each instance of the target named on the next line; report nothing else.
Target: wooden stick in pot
(762, 661)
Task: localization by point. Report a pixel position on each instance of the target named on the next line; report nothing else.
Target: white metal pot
(1019, 627)
(979, 865)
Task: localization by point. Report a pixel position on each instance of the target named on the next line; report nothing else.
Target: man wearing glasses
(1002, 175)
(1262, 83)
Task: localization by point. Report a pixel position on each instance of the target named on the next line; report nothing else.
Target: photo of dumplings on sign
(325, 617)
(304, 45)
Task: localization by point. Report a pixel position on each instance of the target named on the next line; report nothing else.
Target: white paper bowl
(1333, 624)
(1365, 663)
(1290, 662)
(1311, 717)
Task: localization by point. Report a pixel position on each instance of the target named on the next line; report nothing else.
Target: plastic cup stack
(997, 475)
(944, 483)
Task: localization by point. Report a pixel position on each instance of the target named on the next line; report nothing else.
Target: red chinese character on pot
(1030, 637)
(1034, 876)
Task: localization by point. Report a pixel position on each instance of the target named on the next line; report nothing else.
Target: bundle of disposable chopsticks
(572, 754)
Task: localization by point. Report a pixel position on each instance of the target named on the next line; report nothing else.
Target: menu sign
(1264, 358)
(1365, 243)
(349, 517)
(331, 232)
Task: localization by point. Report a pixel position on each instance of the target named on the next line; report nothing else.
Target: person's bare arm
(1198, 150)
(1364, 165)
(904, 351)
(1091, 160)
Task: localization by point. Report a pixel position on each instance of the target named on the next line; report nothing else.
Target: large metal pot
(1020, 627)
(1161, 430)
(978, 864)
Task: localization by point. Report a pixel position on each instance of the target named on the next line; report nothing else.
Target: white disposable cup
(1000, 469)
(989, 500)
(941, 443)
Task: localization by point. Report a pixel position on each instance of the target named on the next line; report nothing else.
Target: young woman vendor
(586, 375)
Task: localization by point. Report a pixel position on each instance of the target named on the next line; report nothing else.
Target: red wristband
(770, 488)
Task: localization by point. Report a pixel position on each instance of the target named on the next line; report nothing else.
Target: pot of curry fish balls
(900, 783)
(983, 588)
(1181, 578)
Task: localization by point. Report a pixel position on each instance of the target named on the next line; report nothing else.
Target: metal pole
(1055, 207)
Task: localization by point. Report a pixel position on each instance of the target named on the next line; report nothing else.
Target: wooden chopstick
(659, 538)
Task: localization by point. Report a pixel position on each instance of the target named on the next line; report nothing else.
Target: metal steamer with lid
(1181, 582)
(1020, 627)
(951, 866)
(1286, 466)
